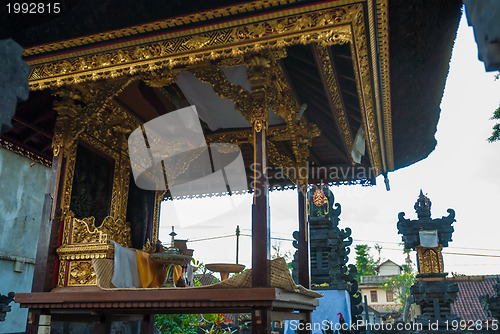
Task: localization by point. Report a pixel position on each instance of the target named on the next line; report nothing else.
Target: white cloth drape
(428, 238)
(125, 273)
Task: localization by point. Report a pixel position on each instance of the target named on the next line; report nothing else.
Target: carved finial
(423, 206)
(172, 234)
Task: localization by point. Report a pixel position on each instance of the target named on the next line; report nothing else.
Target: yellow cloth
(152, 274)
(177, 273)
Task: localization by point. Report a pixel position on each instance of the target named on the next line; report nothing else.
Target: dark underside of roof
(87, 17)
(421, 38)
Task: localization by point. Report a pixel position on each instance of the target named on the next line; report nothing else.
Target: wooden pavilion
(346, 90)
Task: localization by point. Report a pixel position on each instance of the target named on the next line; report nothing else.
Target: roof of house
(205, 279)
(387, 262)
(467, 305)
(370, 309)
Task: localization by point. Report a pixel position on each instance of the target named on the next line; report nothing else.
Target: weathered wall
(22, 189)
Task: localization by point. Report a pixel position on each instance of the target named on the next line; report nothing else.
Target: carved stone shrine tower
(329, 246)
(432, 292)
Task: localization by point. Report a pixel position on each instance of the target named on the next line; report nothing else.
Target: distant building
(383, 302)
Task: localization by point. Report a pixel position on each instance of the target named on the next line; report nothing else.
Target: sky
(462, 173)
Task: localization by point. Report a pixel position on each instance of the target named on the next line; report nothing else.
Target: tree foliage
(365, 263)
(400, 286)
(496, 116)
(496, 128)
(177, 323)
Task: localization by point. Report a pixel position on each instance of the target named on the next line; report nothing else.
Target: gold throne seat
(86, 241)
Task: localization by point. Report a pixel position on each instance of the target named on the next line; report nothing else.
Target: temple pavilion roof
(376, 67)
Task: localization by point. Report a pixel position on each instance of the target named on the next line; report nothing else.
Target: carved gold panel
(322, 25)
(430, 259)
(81, 273)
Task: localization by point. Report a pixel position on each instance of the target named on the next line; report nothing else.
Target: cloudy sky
(462, 173)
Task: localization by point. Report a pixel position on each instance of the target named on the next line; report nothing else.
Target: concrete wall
(389, 268)
(382, 305)
(22, 189)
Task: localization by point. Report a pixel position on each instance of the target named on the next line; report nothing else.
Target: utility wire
(392, 249)
(212, 238)
(452, 247)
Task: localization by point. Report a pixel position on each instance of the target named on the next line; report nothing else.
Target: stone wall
(22, 188)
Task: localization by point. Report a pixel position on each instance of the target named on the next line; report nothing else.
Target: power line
(452, 247)
(393, 249)
(212, 238)
(453, 253)
(470, 254)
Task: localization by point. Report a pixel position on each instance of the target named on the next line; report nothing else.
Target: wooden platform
(94, 301)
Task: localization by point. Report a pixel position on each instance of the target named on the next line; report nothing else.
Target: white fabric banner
(428, 238)
(125, 273)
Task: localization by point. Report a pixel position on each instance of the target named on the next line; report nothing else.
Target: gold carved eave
(383, 92)
(176, 26)
(325, 25)
(201, 17)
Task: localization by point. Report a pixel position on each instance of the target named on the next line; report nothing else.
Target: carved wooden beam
(274, 133)
(332, 90)
(214, 76)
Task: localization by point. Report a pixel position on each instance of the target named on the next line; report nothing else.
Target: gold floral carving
(242, 8)
(13, 147)
(81, 273)
(258, 125)
(263, 92)
(87, 113)
(287, 164)
(328, 73)
(214, 76)
(270, 88)
(149, 247)
(63, 264)
(160, 78)
(364, 83)
(322, 26)
(81, 106)
(384, 91)
(306, 131)
(85, 231)
(430, 259)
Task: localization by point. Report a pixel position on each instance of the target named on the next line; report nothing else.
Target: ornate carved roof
(330, 63)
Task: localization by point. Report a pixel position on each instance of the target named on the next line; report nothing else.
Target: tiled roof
(205, 279)
(467, 305)
(370, 309)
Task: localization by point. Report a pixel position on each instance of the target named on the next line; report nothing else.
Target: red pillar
(303, 250)
(260, 214)
(303, 256)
